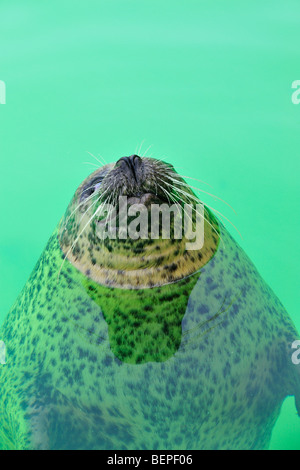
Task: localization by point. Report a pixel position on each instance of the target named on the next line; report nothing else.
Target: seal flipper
(45, 414)
(39, 438)
(58, 423)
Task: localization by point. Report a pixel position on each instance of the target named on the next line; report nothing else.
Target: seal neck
(143, 325)
(142, 263)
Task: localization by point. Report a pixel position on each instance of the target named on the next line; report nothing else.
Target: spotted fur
(200, 363)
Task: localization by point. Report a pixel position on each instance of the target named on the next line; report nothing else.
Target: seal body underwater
(142, 344)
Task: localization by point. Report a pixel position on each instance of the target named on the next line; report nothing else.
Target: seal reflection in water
(142, 344)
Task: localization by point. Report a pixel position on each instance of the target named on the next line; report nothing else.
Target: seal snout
(140, 179)
(130, 166)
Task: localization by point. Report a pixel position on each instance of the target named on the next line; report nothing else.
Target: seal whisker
(145, 153)
(222, 215)
(202, 191)
(100, 207)
(216, 232)
(90, 206)
(77, 238)
(210, 207)
(81, 203)
(206, 220)
(140, 148)
(203, 217)
(93, 164)
(191, 178)
(102, 163)
(77, 207)
(111, 208)
(102, 159)
(109, 202)
(163, 166)
(168, 193)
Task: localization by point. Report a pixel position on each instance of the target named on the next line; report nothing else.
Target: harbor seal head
(124, 343)
(121, 260)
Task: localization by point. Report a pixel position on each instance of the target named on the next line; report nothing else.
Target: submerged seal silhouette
(142, 344)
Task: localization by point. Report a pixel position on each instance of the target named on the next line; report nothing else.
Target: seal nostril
(135, 159)
(132, 163)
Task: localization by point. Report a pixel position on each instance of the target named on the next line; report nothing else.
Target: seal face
(124, 262)
(141, 343)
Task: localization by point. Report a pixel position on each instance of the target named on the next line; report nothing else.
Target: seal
(141, 343)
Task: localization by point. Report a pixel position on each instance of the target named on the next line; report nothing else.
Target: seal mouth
(147, 199)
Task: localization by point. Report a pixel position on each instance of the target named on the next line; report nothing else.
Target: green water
(207, 86)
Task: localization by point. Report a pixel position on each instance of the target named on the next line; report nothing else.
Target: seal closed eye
(140, 343)
(93, 186)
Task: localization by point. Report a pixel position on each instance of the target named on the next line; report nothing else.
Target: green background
(208, 85)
